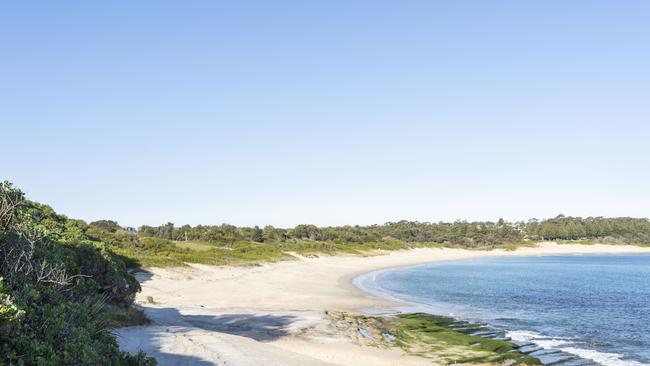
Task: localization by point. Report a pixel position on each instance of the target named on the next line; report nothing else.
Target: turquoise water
(586, 310)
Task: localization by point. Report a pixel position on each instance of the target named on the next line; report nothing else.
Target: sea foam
(603, 358)
(606, 359)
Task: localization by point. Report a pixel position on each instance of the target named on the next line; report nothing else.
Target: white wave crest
(552, 342)
(605, 359)
(537, 338)
(523, 335)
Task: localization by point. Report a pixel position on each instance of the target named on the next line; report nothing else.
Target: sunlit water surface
(596, 307)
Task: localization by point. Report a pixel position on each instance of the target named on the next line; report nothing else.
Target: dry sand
(274, 314)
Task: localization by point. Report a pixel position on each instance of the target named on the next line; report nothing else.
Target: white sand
(275, 314)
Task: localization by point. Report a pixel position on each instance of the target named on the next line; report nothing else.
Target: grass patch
(309, 247)
(194, 246)
(511, 247)
(604, 242)
(156, 252)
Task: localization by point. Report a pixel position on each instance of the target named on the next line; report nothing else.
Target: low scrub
(55, 286)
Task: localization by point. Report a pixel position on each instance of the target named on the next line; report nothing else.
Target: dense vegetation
(608, 230)
(228, 244)
(468, 234)
(465, 234)
(167, 244)
(56, 283)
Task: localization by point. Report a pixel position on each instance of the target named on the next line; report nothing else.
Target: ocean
(580, 309)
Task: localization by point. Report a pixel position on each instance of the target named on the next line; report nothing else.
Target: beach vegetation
(225, 244)
(60, 289)
(229, 244)
(617, 230)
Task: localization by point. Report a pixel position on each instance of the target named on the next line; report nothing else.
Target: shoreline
(277, 312)
(377, 293)
(539, 250)
(548, 349)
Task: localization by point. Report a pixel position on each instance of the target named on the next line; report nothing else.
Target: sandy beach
(276, 314)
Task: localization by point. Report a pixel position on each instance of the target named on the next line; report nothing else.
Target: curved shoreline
(277, 312)
(556, 345)
(379, 294)
(452, 254)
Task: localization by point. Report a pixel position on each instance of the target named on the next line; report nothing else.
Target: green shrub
(56, 285)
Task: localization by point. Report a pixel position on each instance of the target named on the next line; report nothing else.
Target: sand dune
(275, 314)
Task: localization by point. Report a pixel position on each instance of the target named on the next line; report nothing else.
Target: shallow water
(596, 307)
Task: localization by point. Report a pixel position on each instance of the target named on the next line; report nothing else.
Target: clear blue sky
(350, 112)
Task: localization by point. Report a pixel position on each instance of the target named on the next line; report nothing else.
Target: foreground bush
(55, 283)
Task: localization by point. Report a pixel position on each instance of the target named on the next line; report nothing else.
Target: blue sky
(350, 112)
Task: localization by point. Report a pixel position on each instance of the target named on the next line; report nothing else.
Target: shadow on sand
(169, 322)
(150, 340)
(258, 327)
(142, 275)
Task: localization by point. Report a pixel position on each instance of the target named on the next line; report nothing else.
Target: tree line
(611, 230)
(470, 234)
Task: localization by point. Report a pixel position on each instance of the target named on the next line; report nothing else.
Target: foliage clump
(613, 230)
(56, 283)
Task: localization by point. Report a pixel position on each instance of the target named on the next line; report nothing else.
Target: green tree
(258, 234)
